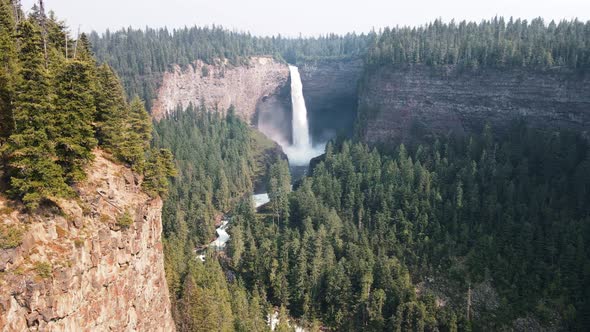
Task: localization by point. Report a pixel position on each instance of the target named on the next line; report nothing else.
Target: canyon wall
(331, 97)
(221, 85)
(397, 103)
(261, 93)
(94, 264)
(274, 113)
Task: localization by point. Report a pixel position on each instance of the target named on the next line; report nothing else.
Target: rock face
(80, 269)
(274, 114)
(399, 102)
(221, 85)
(331, 96)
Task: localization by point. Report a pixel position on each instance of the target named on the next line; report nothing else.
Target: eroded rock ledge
(221, 85)
(81, 270)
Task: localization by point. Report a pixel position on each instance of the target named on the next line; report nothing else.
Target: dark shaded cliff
(274, 112)
(397, 103)
(330, 90)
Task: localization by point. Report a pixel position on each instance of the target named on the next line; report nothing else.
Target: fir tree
(75, 110)
(35, 175)
(7, 70)
(110, 109)
(83, 50)
(159, 167)
(137, 135)
(140, 122)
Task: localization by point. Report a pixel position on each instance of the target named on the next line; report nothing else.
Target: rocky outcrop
(220, 85)
(401, 102)
(331, 97)
(93, 264)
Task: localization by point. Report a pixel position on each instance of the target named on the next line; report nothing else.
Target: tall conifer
(7, 68)
(75, 110)
(110, 108)
(35, 175)
(137, 135)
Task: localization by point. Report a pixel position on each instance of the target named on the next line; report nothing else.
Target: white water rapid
(301, 151)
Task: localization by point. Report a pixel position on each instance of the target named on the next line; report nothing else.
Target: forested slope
(487, 230)
(57, 106)
(80, 207)
(404, 242)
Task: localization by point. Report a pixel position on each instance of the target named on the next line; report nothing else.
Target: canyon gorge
(202, 179)
(393, 102)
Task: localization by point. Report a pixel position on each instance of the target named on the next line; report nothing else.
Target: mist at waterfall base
(301, 151)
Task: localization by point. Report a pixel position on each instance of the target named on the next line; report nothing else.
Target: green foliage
(137, 136)
(141, 56)
(73, 133)
(7, 69)
(490, 43)
(83, 50)
(283, 325)
(215, 156)
(366, 226)
(160, 167)
(34, 172)
(56, 106)
(11, 236)
(215, 159)
(205, 303)
(279, 187)
(125, 220)
(43, 269)
(111, 109)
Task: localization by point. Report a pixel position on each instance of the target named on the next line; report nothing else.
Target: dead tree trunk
(16, 8)
(43, 22)
(76, 44)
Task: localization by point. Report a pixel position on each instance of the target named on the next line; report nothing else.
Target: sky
(295, 17)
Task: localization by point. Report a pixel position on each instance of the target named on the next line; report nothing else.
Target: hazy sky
(308, 17)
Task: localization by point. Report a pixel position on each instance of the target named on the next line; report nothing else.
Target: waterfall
(301, 151)
(300, 126)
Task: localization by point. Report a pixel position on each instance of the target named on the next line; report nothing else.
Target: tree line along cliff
(80, 207)
(404, 75)
(57, 105)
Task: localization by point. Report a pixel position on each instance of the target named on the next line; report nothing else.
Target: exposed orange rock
(220, 85)
(76, 270)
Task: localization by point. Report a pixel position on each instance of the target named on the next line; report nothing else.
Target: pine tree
(140, 121)
(137, 134)
(7, 70)
(160, 166)
(75, 110)
(283, 324)
(279, 187)
(83, 50)
(35, 175)
(110, 109)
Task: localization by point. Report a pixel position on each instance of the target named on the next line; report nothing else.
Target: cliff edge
(95, 263)
(220, 85)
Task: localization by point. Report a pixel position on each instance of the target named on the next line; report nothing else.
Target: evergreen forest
(57, 104)
(449, 233)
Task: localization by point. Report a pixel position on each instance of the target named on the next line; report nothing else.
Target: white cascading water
(300, 127)
(301, 151)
